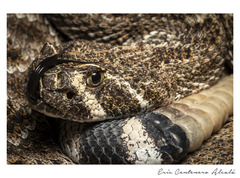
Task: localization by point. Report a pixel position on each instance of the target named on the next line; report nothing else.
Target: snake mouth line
(47, 109)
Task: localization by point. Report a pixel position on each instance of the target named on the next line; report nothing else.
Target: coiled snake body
(122, 70)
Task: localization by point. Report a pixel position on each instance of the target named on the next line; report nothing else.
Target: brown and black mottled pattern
(160, 68)
(183, 50)
(26, 34)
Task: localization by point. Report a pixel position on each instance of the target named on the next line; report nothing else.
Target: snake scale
(117, 83)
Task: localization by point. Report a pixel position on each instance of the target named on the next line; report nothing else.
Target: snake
(119, 88)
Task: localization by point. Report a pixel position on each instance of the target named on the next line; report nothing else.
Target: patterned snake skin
(118, 69)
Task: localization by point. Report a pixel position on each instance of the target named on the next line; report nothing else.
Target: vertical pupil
(96, 77)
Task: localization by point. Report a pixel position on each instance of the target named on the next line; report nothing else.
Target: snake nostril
(70, 94)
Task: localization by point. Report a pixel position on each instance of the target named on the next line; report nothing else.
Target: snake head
(82, 92)
(66, 86)
(86, 81)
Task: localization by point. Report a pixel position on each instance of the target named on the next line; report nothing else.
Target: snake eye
(95, 79)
